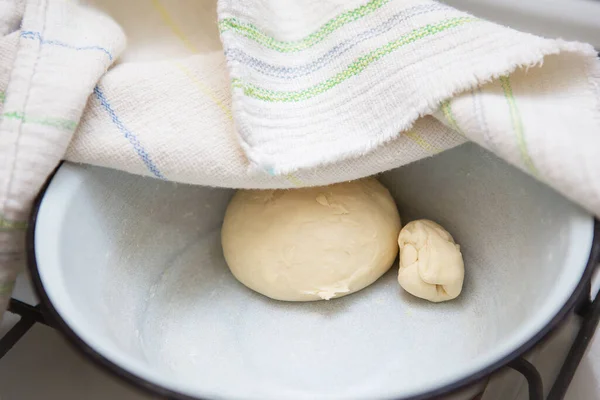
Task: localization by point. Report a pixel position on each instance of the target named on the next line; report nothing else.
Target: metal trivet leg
(29, 316)
(14, 335)
(591, 316)
(534, 380)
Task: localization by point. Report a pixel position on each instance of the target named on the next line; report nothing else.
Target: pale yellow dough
(311, 243)
(431, 264)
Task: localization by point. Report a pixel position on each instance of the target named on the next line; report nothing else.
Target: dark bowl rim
(153, 389)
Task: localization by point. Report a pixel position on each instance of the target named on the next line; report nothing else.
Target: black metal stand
(14, 335)
(27, 311)
(591, 316)
(531, 374)
(589, 312)
(29, 316)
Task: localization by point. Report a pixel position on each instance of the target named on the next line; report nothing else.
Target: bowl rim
(57, 322)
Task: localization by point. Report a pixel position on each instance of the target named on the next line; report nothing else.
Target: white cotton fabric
(175, 97)
(187, 124)
(46, 75)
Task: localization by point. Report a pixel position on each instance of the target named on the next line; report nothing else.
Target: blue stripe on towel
(130, 136)
(37, 36)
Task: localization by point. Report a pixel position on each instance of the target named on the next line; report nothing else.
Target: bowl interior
(134, 266)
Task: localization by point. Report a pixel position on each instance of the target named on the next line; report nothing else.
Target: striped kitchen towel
(52, 53)
(301, 92)
(316, 84)
(280, 93)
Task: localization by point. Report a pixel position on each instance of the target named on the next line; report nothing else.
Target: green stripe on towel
(8, 225)
(517, 124)
(252, 32)
(358, 66)
(59, 123)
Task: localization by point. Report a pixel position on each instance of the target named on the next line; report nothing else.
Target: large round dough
(431, 264)
(311, 243)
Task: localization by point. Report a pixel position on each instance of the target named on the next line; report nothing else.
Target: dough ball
(431, 264)
(311, 243)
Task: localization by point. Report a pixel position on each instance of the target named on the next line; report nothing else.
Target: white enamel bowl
(132, 271)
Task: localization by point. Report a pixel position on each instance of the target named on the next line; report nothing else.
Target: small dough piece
(311, 243)
(431, 264)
